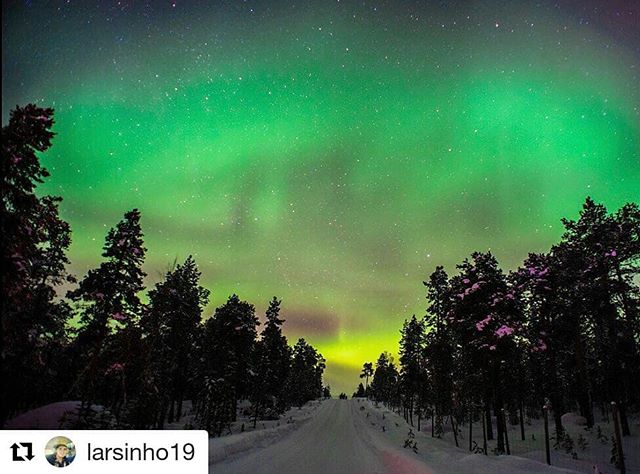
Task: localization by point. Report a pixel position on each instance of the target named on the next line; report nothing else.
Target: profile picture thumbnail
(60, 451)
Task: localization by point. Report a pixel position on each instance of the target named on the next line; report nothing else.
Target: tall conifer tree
(172, 326)
(33, 242)
(108, 296)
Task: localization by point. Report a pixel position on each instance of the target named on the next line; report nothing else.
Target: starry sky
(331, 153)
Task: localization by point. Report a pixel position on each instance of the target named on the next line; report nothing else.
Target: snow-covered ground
(347, 436)
(356, 436)
(47, 417)
(244, 437)
(596, 453)
(63, 415)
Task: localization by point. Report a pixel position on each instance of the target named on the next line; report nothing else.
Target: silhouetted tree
(549, 330)
(367, 371)
(411, 370)
(216, 406)
(438, 349)
(384, 386)
(229, 343)
(563, 326)
(277, 356)
(33, 243)
(305, 377)
(606, 250)
(108, 297)
(484, 321)
(172, 326)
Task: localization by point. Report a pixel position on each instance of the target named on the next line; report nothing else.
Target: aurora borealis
(330, 153)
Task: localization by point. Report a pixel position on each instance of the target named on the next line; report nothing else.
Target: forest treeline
(137, 361)
(562, 331)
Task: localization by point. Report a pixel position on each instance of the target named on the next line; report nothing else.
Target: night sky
(330, 153)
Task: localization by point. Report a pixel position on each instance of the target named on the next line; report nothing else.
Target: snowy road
(337, 440)
(347, 437)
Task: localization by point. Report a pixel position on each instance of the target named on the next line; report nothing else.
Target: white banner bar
(104, 451)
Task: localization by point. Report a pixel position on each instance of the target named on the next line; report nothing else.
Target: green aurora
(330, 156)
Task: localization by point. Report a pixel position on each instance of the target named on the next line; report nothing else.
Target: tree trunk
(433, 423)
(522, 420)
(455, 430)
(555, 390)
(557, 418)
(470, 429)
(604, 411)
(179, 408)
(86, 390)
(489, 425)
(584, 401)
(506, 432)
(171, 411)
(411, 410)
(484, 434)
(234, 406)
(255, 415)
(500, 423)
(162, 415)
(624, 422)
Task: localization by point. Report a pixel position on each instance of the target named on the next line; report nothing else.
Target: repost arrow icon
(29, 447)
(14, 448)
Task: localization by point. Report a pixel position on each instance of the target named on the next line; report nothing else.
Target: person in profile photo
(60, 451)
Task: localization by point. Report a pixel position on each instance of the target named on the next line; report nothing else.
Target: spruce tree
(550, 331)
(271, 365)
(277, 355)
(229, 342)
(484, 321)
(33, 242)
(367, 371)
(438, 350)
(606, 247)
(108, 298)
(172, 327)
(305, 377)
(384, 387)
(411, 364)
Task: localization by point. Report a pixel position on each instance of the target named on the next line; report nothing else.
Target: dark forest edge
(130, 364)
(562, 331)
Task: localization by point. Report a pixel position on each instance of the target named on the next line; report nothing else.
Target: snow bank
(527, 455)
(47, 417)
(226, 446)
(231, 445)
(389, 432)
(573, 419)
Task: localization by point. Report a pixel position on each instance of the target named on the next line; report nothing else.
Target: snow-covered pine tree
(305, 378)
(411, 366)
(228, 345)
(607, 246)
(438, 349)
(539, 284)
(277, 355)
(384, 386)
(483, 325)
(108, 299)
(215, 407)
(33, 243)
(270, 366)
(172, 326)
